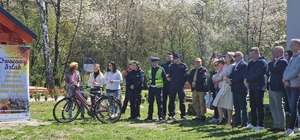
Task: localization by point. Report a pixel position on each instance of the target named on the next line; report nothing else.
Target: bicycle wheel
(66, 110)
(108, 110)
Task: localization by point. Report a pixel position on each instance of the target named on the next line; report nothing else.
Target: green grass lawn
(43, 126)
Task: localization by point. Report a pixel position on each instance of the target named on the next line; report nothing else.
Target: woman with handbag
(224, 98)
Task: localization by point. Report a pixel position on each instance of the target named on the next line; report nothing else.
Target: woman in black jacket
(135, 86)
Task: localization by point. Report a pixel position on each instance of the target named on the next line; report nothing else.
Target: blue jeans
(115, 93)
(293, 97)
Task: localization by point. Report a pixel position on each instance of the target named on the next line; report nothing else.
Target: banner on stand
(14, 82)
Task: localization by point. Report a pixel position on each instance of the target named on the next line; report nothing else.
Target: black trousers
(166, 90)
(135, 96)
(125, 102)
(257, 107)
(157, 93)
(286, 102)
(181, 95)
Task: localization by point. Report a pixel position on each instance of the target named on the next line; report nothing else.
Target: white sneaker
(214, 120)
(289, 132)
(115, 115)
(296, 130)
(258, 128)
(249, 126)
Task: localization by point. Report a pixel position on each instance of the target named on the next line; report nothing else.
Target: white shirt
(237, 64)
(115, 77)
(99, 79)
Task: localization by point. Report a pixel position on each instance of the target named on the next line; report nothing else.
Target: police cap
(154, 59)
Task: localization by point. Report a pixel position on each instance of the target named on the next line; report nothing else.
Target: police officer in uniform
(156, 76)
(166, 88)
(178, 76)
(134, 83)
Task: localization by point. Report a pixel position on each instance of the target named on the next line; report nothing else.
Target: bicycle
(106, 109)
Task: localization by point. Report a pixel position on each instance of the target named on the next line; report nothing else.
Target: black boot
(82, 116)
(148, 118)
(203, 118)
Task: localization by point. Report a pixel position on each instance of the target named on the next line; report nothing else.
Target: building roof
(13, 31)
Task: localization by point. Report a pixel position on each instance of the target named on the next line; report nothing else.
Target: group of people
(229, 83)
(112, 78)
(162, 82)
(232, 80)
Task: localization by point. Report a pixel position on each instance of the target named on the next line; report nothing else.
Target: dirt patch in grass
(59, 134)
(152, 126)
(13, 125)
(77, 129)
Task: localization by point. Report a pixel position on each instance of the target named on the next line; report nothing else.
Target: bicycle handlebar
(72, 84)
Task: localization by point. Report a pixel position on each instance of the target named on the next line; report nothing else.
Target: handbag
(208, 101)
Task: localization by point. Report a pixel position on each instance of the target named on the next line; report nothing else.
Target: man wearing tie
(239, 90)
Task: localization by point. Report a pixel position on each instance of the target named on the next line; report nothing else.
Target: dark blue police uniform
(135, 78)
(178, 75)
(166, 88)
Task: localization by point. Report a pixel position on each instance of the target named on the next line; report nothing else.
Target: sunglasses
(216, 64)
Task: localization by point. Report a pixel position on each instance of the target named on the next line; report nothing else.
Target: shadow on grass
(223, 131)
(156, 121)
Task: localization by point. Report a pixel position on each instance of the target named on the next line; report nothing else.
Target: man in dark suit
(239, 90)
(276, 68)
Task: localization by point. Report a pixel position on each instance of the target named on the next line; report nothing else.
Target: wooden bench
(42, 90)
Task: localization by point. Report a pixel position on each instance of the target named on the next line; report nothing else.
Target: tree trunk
(264, 6)
(56, 43)
(248, 26)
(7, 5)
(1, 3)
(46, 49)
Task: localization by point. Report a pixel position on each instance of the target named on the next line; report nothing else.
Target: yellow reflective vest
(159, 82)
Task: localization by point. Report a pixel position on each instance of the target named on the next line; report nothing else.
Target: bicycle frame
(113, 96)
(83, 101)
(104, 108)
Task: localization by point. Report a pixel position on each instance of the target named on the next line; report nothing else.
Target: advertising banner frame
(14, 82)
